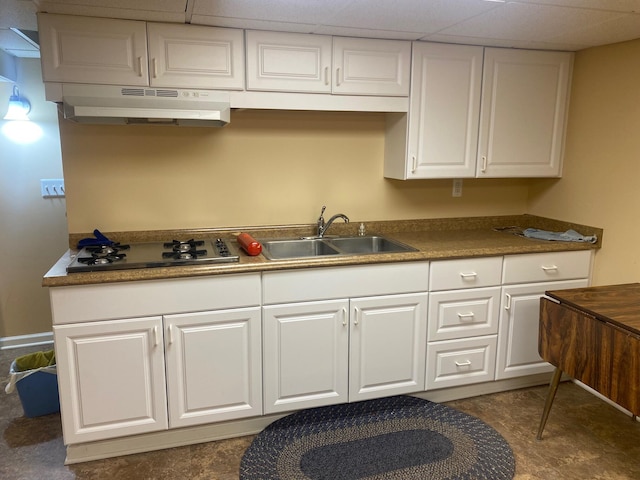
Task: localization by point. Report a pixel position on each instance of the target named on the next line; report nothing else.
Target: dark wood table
(593, 335)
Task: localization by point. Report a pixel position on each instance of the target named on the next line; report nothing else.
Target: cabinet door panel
(288, 62)
(444, 111)
(93, 50)
(519, 324)
(371, 67)
(387, 345)
(111, 377)
(524, 97)
(190, 56)
(305, 355)
(213, 366)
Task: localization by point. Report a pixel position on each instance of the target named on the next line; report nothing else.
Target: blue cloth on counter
(568, 236)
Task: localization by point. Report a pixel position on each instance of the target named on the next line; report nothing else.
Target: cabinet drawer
(465, 273)
(544, 267)
(460, 362)
(463, 313)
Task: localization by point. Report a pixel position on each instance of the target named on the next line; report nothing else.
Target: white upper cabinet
(444, 111)
(524, 106)
(288, 62)
(190, 56)
(292, 62)
(480, 112)
(93, 50)
(123, 52)
(364, 66)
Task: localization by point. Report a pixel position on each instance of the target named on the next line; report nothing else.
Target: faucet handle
(324, 207)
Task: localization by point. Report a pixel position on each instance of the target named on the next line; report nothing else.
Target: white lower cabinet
(526, 278)
(111, 372)
(306, 355)
(519, 321)
(334, 351)
(111, 378)
(387, 345)
(213, 366)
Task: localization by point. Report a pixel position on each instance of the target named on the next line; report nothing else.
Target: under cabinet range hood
(116, 105)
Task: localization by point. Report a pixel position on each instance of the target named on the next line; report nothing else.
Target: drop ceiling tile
(622, 28)
(488, 42)
(528, 22)
(610, 5)
(409, 15)
(18, 13)
(54, 6)
(251, 24)
(366, 33)
(286, 11)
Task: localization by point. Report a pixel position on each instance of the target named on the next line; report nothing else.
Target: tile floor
(585, 438)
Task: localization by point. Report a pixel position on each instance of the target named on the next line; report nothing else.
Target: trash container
(35, 377)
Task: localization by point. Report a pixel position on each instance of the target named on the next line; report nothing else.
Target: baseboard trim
(101, 449)
(148, 442)
(20, 341)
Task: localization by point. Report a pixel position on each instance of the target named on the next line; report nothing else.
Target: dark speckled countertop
(435, 239)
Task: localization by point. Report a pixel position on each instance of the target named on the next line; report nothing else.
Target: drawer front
(546, 267)
(463, 313)
(452, 363)
(465, 273)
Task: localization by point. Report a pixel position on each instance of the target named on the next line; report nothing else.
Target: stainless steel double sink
(290, 248)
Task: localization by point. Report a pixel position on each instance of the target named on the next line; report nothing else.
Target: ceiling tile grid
(544, 24)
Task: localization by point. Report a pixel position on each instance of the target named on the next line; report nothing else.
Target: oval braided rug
(389, 438)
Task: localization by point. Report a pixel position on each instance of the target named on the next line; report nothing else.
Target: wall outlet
(52, 187)
(457, 187)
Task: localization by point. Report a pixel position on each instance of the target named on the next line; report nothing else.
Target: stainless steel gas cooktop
(116, 256)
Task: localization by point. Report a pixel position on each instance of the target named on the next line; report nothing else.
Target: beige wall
(33, 230)
(265, 168)
(602, 159)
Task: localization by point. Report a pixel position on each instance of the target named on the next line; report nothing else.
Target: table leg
(553, 388)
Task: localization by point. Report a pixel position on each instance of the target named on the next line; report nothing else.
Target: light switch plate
(52, 187)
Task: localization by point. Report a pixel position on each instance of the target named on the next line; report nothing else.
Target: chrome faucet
(323, 227)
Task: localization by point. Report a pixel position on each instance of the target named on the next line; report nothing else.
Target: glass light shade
(19, 107)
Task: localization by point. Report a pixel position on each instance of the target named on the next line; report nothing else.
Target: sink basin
(370, 244)
(298, 248)
(283, 249)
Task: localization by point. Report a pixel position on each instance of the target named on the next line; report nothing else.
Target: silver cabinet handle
(466, 316)
(170, 334)
(468, 276)
(484, 164)
(139, 66)
(549, 268)
(326, 75)
(414, 164)
(466, 363)
(356, 315)
(344, 317)
(156, 336)
(338, 82)
(155, 68)
(508, 304)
